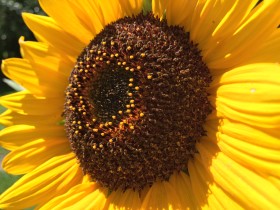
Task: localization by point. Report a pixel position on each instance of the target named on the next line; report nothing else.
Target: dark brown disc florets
(136, 103)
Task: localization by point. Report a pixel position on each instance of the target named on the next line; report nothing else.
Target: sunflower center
(136, 103)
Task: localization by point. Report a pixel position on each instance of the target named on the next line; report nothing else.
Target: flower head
(177, 108)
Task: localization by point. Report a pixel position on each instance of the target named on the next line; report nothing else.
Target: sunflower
(176, 108)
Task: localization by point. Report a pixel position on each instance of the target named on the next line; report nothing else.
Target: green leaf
(147, 7)
(7, 180)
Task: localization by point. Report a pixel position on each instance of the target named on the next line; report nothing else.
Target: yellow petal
(16, 136)
(161, 195)
(25, 103)
(275, 181)
(83, 196)
(123, 200)
(111, 11)
(46, 58)
(206, 19)
(249, 94)
(40, 82)
(55, 177)
(268, 52)
(131, 7)
(259, 159)
(203, 15)
(217, 198)
(213, 24)
(249, 189)
(32, 154)
(210, 201)
(62, 12)
(229, 19)
(200, 189)
(232, 49)
(86, 179)
(261, 137)
(179, 13)
(9, 118)
(255, 149)
(182, 185)
(64, 42)
(159, 7)
(90, 15)
(95, 15)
